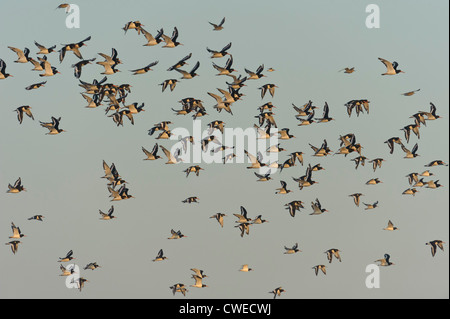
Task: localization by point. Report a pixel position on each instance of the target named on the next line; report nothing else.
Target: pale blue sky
(306, 43)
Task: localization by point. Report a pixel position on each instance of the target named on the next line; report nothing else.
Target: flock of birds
(115, 96)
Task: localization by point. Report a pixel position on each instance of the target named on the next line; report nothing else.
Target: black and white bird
(53, 126)
(221, 53)
(277, 292)
(22, 56)
(434, 244)
(390, 226)
(270, 87)
(144, 69)
(391, 68)
(74, 47)
(17, 188)
(412, 153)
(14, 245)
(325, 117)
(152, 40)
(67, 258)
(49, 70)
(109, 215)
(333, 252)
(92, 266)
(160, 256)
(390, 142)
(35, 86)
(321, 268)
(371, 206)
(24, 109)
(78, 67)
(171, 42)
(3, 74)
(180, 63)
(44, 50)
(17, 234)
(191, 74)
(151, 155)
(385, 262)
(257, 74)
(219, 217)
(317, 208)
(292, 250)
(176, 234)
(356, 198)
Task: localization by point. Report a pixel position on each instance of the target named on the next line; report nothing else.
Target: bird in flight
(17, 234)
(171, 83)
(257, 74)
(137, 25)
(356, 198)
(218, 27)
(391, 68)
(78, 67)
(171, 42)
(245, 268)
(37, 217)
(294, 249)
(22, 56)
(172, 159)
(23, 109)
(153, 154)
(410, 92)
(198, 282)
(17, 188)
(64, 6)
(333, 252)
(320, 267)
(268, 88)
(109, 215)
(219, 217)
(35, 86)
(390, 226)
(189, 75)
(385, 261)
(74, 47)
(412, 153)
(348, 70)
(44, 50)
(283, 189)
(160, 256)
(144, 69)
(3, 74)
(92, 266)
(179, 287)
(53, 126)
(277, 292)
(67, 258)
(176, 235)
(317, 208)
(434, 244)
(371, 206)
(151, 40)
(14, 245)
(221, 53)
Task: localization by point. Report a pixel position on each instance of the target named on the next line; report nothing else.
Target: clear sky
(307, 43)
